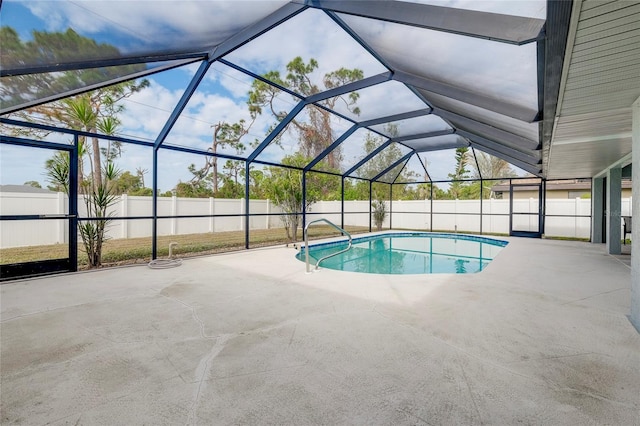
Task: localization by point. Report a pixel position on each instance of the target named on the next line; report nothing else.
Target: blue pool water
(408, 253)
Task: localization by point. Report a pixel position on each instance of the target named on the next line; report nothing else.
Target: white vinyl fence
(448, 215)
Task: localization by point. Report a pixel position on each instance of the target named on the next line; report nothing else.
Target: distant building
(558, 189)
(24, 189)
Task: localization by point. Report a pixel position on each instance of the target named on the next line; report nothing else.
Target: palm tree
(98, 195)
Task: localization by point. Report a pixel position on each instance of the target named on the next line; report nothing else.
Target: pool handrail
(306, 242)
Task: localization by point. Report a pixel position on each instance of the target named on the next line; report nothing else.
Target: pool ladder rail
(306, 242)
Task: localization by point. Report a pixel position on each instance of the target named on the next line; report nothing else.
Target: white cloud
(147, 111)
(158, 23)
(236, 82)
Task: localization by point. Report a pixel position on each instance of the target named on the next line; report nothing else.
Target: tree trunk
(293, 232)
(80, 167)
(215, 176)
(97, 171)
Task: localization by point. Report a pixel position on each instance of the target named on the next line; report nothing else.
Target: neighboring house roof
(24, 188)
(561, 185)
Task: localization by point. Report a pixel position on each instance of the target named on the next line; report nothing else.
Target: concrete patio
(540, 337)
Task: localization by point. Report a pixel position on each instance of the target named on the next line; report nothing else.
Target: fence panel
(563, 216)
(32, 232)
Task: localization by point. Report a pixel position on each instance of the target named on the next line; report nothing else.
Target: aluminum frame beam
(350, 87)
(12, 140)
(475, 158)
(424, 166)
(490, 26)
(396, 117)
(438, 147)
(337, 91)
(470, 125)
(259, 77)
(275, 132)
(396, 163)
(557, 28)
(331, 147)
(498, 151)
(100, 63)
(50, 128)
(95, 86)
(354, 35)
(463, 95)
(423, 135)
(182, 103)
(536, 170)
(269, 22)
(366, 158)
(531, 157)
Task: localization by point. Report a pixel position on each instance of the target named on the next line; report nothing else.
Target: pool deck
(541, 336)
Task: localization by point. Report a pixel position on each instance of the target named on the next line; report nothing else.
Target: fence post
(124, 209)
(174, 211)
(455, 215)
(267, 224)
(576, 208)
(212, 211)
(426, 210)
(491, 214)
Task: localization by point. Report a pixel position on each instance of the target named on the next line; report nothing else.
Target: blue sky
(222, 95)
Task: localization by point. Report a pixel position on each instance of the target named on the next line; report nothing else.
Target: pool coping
(372, 235)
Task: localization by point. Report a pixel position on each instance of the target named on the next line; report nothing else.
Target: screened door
(525, 205)
(37, 216)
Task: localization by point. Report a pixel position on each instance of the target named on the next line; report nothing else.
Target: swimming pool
(408, 253)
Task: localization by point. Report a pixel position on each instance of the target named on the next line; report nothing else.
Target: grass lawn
(138, 250)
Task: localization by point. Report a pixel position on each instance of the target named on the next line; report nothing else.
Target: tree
(379, 212)
(233, 172)
(201, 189)
(283, 185)
(257, 184)
(456, 188)
(140, 172)
(97, 198)
(33, 183)
(424, 192)
(50, 47)
(57, 172)
(93, 112)
(130, 184)
(224, 134)
(316, 133)
(489, 167)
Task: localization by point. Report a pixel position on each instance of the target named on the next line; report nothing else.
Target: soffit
(600, 83)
